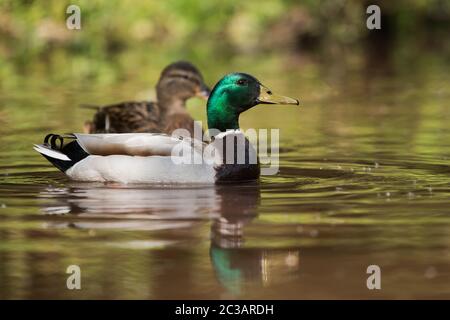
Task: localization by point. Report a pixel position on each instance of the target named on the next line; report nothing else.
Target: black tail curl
(72, 150)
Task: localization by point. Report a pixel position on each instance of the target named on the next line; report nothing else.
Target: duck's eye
(241, 82)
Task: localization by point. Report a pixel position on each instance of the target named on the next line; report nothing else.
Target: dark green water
(364, 179)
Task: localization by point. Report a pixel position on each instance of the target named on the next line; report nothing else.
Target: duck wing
(130, 116)
(128, 158)
(134, 144)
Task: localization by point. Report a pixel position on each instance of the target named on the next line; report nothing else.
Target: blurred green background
(122, 39)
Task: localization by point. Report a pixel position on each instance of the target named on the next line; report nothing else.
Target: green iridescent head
(236, 93)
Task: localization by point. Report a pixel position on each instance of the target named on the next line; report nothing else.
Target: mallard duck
(160, 158)
(178, 82)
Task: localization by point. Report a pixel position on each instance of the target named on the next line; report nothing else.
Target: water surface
(364, 180)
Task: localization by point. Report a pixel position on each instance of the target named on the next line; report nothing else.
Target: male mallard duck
(178, 82)
(159, 158)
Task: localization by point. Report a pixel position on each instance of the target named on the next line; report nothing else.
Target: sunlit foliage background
(121, 37)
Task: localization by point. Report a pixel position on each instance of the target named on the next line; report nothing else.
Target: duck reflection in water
(237, 261)
(236, 264)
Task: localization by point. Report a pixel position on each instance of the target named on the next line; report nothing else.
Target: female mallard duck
(178, 82)
(159, 158)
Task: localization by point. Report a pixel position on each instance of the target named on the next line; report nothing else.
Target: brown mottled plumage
(178, 82)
